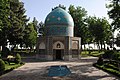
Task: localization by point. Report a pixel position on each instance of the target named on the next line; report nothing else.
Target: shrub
(108, 54)
(18, 58)
(5, 52)
(6, 62)
(100, 60)
(0, 56)
(2, 65)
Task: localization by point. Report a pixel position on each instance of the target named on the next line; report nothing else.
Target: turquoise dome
(59, 23)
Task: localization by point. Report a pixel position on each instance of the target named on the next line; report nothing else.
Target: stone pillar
(67, 49)
(49, 48)
(79, 49)
(37, 45)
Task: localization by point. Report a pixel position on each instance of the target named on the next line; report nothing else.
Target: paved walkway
(81, 70)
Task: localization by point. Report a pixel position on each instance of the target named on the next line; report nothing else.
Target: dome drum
(59, 31)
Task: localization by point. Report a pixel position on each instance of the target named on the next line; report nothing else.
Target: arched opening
(58, 50)
(42, 45)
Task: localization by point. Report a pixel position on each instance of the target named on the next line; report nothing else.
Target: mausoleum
(59, 42)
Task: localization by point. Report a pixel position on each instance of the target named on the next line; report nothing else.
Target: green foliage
(100, 60)
(117, 42)
(114, 13)
(2, 65)
(18, 58)
(96, 53)
(84, 53)
(90, 29)
(12, 22)
(18, 22)
(91, 53)
(30, 36)
(6, 62)
(108, 54)
(108, 67)
(101, 26)
(6, 52)
(61, 6)
(78, 14)
(111, 55)
(41, 29)
(4, 21)
(35, 24)
(0, 55)
(10, 67)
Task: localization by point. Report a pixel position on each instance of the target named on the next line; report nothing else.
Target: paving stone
(80, 70)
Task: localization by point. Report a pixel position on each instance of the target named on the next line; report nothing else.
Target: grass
(91, 53)
(96, 53)
(108, 67)
(84, 53)
(10, 67)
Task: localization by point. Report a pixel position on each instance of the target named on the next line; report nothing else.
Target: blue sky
(40, 8)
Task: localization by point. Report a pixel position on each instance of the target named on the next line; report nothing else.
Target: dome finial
(60, 6)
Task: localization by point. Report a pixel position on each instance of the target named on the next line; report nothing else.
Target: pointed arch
(74, 44)
(58, 45)
(42, 45)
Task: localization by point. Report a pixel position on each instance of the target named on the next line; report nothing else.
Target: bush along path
(109, 62)
(7, 65)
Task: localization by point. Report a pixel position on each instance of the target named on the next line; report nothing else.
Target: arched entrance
(58, 55)
(58, 50)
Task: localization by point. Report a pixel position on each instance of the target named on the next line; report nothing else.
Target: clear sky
(40, 8)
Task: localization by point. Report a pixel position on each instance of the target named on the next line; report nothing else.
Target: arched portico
(58, 50)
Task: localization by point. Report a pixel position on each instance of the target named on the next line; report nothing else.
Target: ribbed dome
(59, 23)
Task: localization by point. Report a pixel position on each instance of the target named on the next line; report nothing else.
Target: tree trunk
(84, 46)
(104, 45)
(101, 45)
(12, 50)
(94, 45)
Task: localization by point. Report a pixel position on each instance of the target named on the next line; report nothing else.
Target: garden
(109, 62)
(10, 63)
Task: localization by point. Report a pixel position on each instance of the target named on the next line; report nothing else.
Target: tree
(35, 24)
(100, 30)
(118, 40)
(30, 36)
(114, 13)
(61, 6)
(80, 27)
(18, 22)
(4, 22)
(41, 29)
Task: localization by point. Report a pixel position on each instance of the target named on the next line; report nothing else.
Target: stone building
(59, 42)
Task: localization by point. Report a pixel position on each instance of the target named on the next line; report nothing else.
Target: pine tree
(18, 22)
(4, 22)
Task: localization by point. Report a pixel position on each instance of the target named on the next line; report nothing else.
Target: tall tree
(35, 23)
(30, 36)
(79, 15)
(118, 40)
(114, 13)
(4, 22)
(18, 22)
(41, 29)
(100, 30)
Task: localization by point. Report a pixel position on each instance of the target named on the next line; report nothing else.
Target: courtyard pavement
(80, 70)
